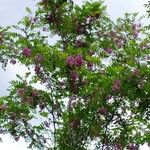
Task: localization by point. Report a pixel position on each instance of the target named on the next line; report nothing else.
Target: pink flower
(37, 69)
(73, 75)
(1, 131)
(148, 57)
(75, 123)
(119, 43)
(34, 93)
(47, 124)
(26, 52)
(78, 60)
(136, 29)
(118, 147)
(21, 91)
(45, 29)
(71, 102)
(30, 100)
(80, 29)
(50, 17)
(80, 43)
(17, 138)
(136, 26)
(135, 33)
(103, 111)
(39, 58)
(108, 97)
(70, 61)
(136, 72)
(13, 61)
(89, 19)
(42, 106)
(62, 84)
(116, 85)
(132, 146)
(33, 20)
(108, 50)
(90, 65)
(3, 106)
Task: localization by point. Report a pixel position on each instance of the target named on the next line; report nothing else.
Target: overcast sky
(11, 11)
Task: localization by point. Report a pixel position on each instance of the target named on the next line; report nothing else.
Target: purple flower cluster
(80, 29)
(50, 18)
(75, 123)
(102, 111)
(119, 43)
(70, 61)
(136, 72)
(80, 43)
(34, 93)
(3, 106)
(116, 85)
(33, 20)
(132, 146)
(45, 29)
(26, 52)
(47, 124)
(75, 61)
(118, 147)
(16, 138)
(90, 65)
(37, 69)
(78, 60)
(13, 61)
(108, 50)
(74, 76)
(39, 58)
(136, 29)
(21, 91)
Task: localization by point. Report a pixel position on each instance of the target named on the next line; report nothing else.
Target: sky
(11, 11)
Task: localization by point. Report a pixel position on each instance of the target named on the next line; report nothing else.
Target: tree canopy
(96, 77)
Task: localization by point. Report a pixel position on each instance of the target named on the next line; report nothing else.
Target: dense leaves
(95, 78)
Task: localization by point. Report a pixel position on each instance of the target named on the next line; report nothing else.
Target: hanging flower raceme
(136, 29)
(102, 111)
(116, 85)
(13, 61)
(136, 72)
(78, 60)
(26, 52)
(108, 50)
(90, 65)
(21, 91)
(73, 75)
(75, 123)
(3, 106)
(70, 61)
(75, 61)
(33, 20)
(37, 69)
(132, 146)
(39, 58)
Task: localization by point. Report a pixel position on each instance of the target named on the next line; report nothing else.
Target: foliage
(96, 78)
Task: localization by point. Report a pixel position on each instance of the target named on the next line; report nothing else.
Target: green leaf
(28, 10)
(44, 114)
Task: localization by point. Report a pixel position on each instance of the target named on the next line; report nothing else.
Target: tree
(96, 76)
